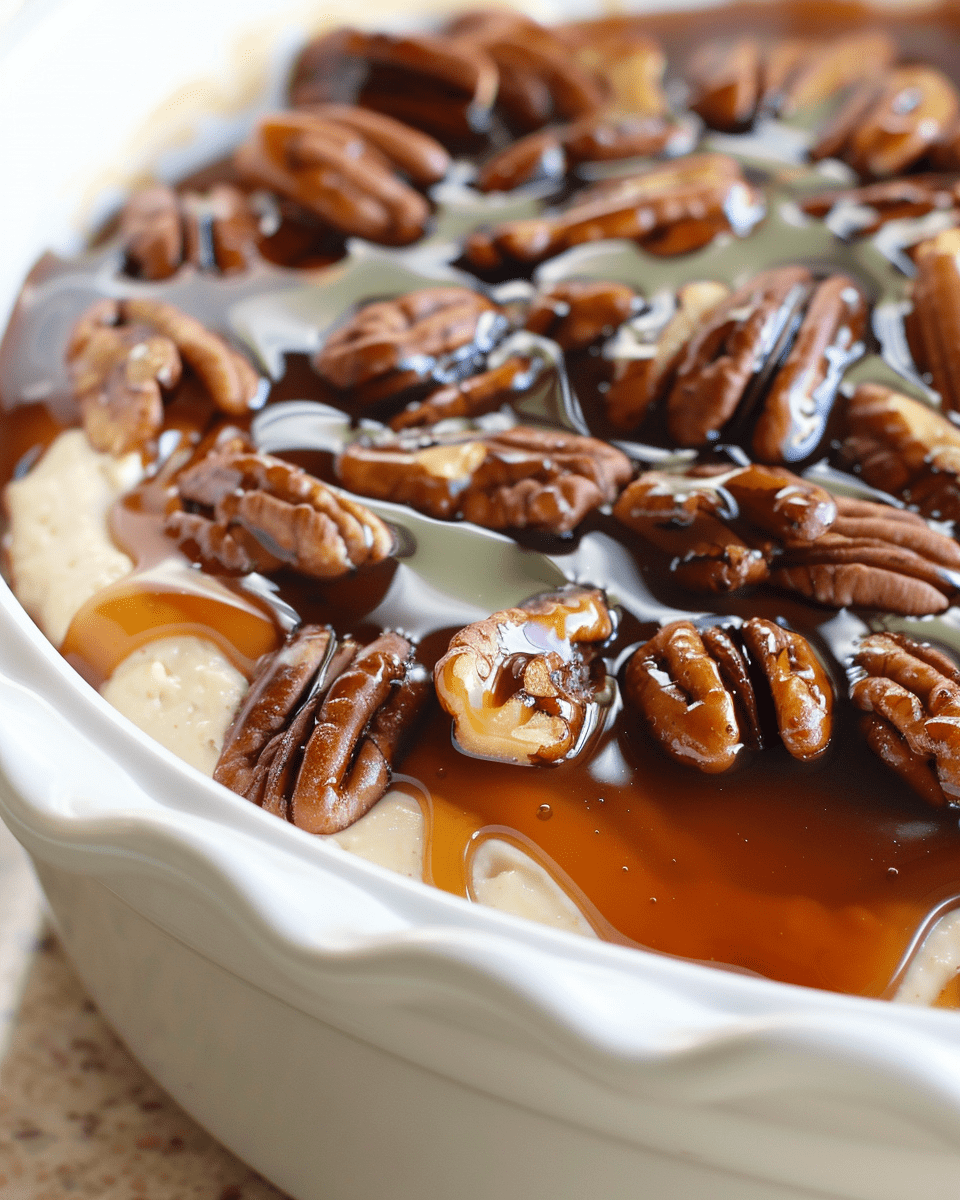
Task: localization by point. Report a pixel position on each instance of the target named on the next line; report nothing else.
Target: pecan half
(519, 685)
(316, 735)
(553, 153)
(934, 325)
(889, 124)
(798, 403)
(671, 208)
(698, 692)
(576, 313)
(905, 447)
(253, 512)
(473, 396)
(726, 530)
(341, 171)
(161, 230)
(117, 373)
(647, 349)
(779, 341)
(539, 79)
(874, 556)
(724, 79)
(420, 157)
(717, 528)
(911, 693)
(740, 337)
(888, 200)
(124, 354)
(431, 82)
(432, 335)
(521, 478)
(733, 81)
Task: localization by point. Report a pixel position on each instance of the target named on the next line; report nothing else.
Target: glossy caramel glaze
(820, 874)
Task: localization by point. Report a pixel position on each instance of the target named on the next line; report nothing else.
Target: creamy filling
(935, 964)
(183, 692)
(59, 546)
(503, 876)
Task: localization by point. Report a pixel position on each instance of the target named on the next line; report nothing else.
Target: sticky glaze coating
(815, 867)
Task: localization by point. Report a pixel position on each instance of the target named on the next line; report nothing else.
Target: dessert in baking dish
(669, 307)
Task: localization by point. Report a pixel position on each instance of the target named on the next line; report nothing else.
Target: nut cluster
(435, 344)
(486, 68)
(759, 362)
(777, 346)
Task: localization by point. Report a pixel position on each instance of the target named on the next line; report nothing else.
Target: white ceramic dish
(349, 1033)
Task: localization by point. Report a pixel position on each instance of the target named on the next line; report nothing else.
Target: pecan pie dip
(666, 309)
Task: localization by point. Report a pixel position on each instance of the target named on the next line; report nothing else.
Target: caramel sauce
(140, 609)
(815, 874)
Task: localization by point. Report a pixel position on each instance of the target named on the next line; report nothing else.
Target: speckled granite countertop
(78, 1117)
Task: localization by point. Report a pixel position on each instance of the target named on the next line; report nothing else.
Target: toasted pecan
(904, 447)
(911, 693)
(936, 314)
(697, 691)
(730, 351)
(161, 230)
(779, 344)
(521, 478)
(339, 172)
(890, 123)
(678, 688)
(242, 511)
(796, 407)
(671, 208)
(123, 355)
(874, 556)
(315, 737)
(421, 336)
(519, 684)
